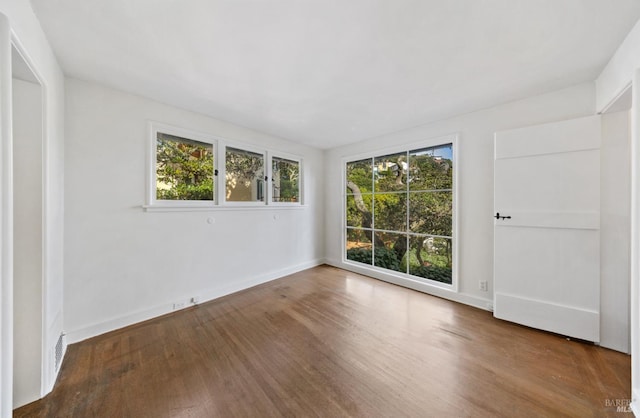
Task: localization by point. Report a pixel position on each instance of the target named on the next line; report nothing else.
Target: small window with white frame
(183, 171)
(285, 180)
(244, 176)
(184, 167)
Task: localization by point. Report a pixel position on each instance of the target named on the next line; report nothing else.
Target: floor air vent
(59, 349)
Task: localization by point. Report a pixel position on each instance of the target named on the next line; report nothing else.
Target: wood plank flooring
(329, 343)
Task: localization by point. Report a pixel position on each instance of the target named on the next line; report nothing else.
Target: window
(245, 176)
(184, 167)
(399, 212)
(285, 180)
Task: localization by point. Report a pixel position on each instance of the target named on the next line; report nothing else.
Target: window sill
(187, 208)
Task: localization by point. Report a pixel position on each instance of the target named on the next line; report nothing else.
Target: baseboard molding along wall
(207, 295)
(484, 304)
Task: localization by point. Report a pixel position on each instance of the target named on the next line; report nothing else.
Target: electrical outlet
(179, 305)
(484, 285)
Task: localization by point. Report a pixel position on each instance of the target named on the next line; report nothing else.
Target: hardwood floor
(327, 342)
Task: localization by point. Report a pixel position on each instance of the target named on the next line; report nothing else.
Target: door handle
(501, 217)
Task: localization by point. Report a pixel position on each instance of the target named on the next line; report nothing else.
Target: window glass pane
(390, 173)
(285, 180)
(430, 213)
(244, 176)
(390, 251)
(359, 210)
(412, 207)
(431, 168)
(359, 176)
(430, 258)
(184, 169)
(390, 211)
(359, 246)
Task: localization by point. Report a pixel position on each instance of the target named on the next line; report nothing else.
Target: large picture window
(399, 212)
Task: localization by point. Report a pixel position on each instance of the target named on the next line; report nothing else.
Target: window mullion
(407, 226)
(268, 182)
(428, 195)
(373, 212)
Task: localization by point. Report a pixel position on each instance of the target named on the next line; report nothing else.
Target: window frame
(151, 200)
(289, 157)
(219, 202)
(222, 173)
(376, 153)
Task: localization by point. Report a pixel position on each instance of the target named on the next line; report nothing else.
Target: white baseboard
(466, 299)
(635, 402)
(206, 295)
(212, 294)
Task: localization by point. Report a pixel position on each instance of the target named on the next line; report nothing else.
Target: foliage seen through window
(184, 169)
(399, 212)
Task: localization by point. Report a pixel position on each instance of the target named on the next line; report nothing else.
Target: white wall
(123, 264)
(475, 183)
(475, 195)
(28, 35)
(622, 71)
(616, 77)
(27, 271)
(635, 244)
(6, 223)
(615, 223)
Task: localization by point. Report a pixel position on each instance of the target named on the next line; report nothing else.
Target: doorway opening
(28, 241)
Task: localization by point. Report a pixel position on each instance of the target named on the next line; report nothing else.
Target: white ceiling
(332, 72)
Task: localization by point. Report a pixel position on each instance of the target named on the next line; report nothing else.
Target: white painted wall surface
(28, 33)
(6, 223)
(617, 75)
(622, 71)
(475, 165)
(475, 183)
(635, 243)
(124, 265)
(615, 223)
(27, 266)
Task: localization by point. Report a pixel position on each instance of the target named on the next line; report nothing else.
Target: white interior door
(547, 254)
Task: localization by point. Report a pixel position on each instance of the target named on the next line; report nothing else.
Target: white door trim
(635, 243)
(6, 223)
